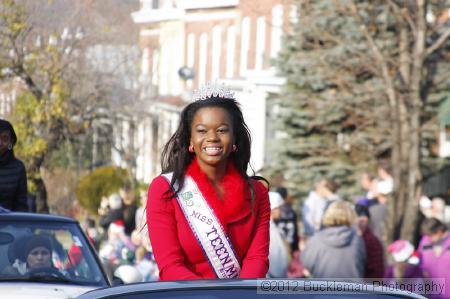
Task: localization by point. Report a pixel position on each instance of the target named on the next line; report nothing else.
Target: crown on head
(212, 89)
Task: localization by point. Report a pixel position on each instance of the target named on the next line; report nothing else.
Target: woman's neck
(214, 173)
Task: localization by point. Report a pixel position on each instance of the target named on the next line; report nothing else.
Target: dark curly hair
(176, 157)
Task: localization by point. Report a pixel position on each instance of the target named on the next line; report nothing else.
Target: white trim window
(277, 30)
(155, 64)
(231, 48)
(260, 42)
(245, 45)
(203, 60)
(145, 63)
(190, 55)
(216, 52)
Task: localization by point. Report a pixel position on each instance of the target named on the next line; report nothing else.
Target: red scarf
(233, 186)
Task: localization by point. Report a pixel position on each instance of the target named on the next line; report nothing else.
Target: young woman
(206, 218)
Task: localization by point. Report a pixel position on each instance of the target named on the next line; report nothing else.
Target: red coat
(177, 251)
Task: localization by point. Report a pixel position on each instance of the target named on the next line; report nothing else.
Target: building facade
(233, 41)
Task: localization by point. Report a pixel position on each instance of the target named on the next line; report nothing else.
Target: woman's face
(212, 136)
(39, 257)
(5, 141)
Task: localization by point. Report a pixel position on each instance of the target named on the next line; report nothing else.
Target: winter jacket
(278, 254)
(111, 216)
(335, 252)
(287, 224)
(378, 214)
(411, 272)
(435, 262)
(374, 255)
(176, 249)
(13, 183)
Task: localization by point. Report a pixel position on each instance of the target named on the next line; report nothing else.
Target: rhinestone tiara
(212, 89)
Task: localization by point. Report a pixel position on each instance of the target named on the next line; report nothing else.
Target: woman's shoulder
(159, 186)
(259, 187)
(160, 179)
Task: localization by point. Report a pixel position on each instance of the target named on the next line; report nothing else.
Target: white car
(74, 266)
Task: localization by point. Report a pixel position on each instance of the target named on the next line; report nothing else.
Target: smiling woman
(206, 218)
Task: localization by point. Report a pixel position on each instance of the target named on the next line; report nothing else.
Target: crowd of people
(345, 239)
(121, 236)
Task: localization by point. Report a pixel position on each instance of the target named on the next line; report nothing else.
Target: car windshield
(47, 252)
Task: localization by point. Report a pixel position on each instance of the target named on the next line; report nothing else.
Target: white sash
(207, 229)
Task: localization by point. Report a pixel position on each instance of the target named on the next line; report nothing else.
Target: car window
(70, 260)
(244, 293)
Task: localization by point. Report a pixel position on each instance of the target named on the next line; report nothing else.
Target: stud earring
(10, 146)
(234, 148)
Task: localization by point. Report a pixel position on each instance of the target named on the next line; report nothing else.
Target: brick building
(231, 40)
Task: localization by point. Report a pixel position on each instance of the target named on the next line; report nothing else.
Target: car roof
(34, 217)
(237, 284)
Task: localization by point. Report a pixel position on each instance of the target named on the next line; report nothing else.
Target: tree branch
(400, 12)
(378, 55)
(438, 43)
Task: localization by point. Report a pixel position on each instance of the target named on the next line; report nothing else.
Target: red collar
(233, 186)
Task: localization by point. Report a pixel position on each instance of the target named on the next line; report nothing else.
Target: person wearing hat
(38, 253)
(278, 247)
(34, 254)
(374, 267)
(13, 177)
(406, 263)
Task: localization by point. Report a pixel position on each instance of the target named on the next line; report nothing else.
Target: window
(203, 59)
(245, 42)
(231, 45)
(216, 51)
(277, 30)
(260, 42)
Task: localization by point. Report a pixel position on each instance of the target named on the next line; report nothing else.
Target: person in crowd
(13, 176)
(406, 263)
(114, 250)
(92, 232)
(206, 217)
(278, 249)
(315, 205)
(385, 181)
(434, 253)
(312, 209)
(112, 212)
(147, 267)
(383, 187)
(287, 223)
(374, 267)
(141, 230)
(329, 192)
(37, 254)
(368, 184)
(336, 251)
(129, 208)
(140, 212)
